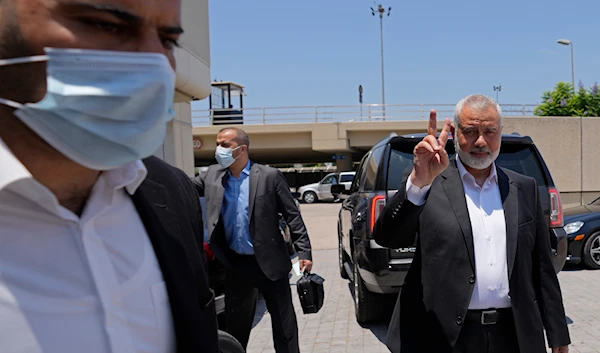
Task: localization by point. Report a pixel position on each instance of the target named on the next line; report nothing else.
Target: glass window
(517, 157)
(400, 166)
(371, 167)
(346, 178)
(330, 179)
(356, 183)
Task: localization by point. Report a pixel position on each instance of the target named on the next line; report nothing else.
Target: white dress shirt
(78, 284)
(489, 237)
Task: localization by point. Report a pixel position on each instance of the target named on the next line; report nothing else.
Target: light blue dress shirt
(235, 212)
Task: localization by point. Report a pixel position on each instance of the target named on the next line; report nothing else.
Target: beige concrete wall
(177, 148)
(193, 56)
(193, 81)
(570, 150)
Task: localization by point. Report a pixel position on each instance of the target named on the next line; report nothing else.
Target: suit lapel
(153, 204)
(222, 176)
(162, 225)
(510, 204)
(455, 191)
(254, 176)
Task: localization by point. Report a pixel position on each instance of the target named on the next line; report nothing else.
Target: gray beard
(474, 162)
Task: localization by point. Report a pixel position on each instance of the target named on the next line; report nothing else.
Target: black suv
(375, 270)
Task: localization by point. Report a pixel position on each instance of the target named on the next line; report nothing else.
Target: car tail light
(377, 205)
(556, 213)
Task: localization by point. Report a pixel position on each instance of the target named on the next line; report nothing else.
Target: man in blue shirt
(235, 211)
(243, 202)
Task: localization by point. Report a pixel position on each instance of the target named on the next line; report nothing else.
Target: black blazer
(438, 287)
(169, 207)
(269, 195)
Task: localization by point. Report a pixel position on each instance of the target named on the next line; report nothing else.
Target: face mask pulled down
(102, 109)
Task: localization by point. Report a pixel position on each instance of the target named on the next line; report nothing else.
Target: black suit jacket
(169, 207)
(269, 195)
(438, 287)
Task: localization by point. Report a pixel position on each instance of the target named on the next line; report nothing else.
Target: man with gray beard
(482, 278)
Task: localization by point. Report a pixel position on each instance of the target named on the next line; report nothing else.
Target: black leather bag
(311, 292)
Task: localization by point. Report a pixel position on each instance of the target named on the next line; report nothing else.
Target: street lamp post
(569, 43)
(381, 11)
(497, 89)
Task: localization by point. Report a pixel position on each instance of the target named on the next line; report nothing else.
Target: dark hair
(241, 136)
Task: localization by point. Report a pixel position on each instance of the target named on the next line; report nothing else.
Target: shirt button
(472, 279)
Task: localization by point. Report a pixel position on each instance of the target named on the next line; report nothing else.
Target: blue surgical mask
(225, 157)
(102, 109)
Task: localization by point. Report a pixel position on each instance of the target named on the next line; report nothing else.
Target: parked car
(376, 271)
(321, 191)
(582, 225)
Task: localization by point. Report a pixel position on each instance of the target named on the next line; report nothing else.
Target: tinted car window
(516, 157)
(521, 159)
(400, 165)
(370, 169)
(356, 183)
(346, 178)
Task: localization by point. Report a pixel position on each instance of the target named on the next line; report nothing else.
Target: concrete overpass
(341, 143)
(568, 145)
(318, 134)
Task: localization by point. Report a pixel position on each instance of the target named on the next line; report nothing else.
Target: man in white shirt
(100, 243)
(482, 279)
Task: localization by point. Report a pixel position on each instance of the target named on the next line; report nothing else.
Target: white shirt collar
(129, 176)
(493, 177)
(11, 169)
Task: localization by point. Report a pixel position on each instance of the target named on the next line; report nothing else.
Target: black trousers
(242, 285)
(500, 337)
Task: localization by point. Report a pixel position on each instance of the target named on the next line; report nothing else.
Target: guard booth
(226, 103)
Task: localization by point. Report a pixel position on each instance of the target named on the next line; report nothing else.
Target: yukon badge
(404, 250)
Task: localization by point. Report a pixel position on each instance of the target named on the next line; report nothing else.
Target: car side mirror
(338, 189)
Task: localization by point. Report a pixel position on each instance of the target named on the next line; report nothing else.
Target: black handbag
(311, 292)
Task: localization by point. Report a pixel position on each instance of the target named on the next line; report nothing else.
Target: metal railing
(339, 113)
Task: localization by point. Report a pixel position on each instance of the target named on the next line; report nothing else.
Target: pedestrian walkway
(334, 328)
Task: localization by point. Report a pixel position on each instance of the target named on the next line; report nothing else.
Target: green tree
(563, 102)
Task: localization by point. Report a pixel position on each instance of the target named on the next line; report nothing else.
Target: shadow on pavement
(379, 328)
(573, 267)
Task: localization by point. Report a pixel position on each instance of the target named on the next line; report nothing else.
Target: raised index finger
(445, 132)
(432, 129)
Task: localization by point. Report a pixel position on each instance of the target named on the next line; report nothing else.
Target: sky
(317, 52)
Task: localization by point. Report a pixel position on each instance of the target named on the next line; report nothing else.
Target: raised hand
(430, 156)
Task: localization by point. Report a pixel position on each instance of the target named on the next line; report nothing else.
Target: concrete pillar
(177, 148)
(343, 162)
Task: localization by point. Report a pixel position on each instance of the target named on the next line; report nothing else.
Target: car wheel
(309, 197)
(228, 344)
(368, 306)
(591, 251)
